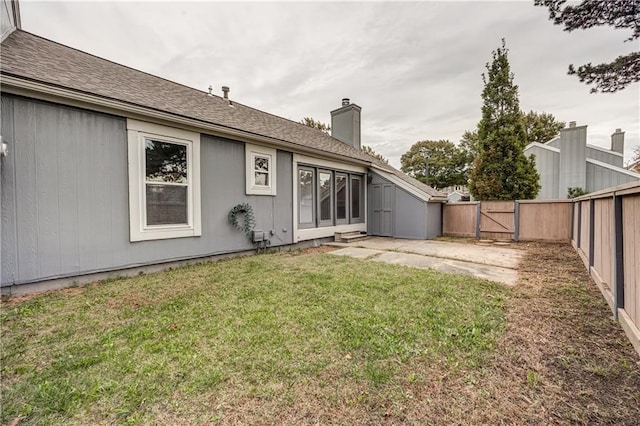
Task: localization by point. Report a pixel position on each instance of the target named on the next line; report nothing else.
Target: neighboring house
(457, 193)
(568, 161)
(109, 169)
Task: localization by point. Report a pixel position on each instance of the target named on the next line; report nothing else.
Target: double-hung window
(164, 182)
(261, 170)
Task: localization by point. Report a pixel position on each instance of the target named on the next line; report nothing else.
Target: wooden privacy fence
(604, 228)
(606, 233)
(529, 220)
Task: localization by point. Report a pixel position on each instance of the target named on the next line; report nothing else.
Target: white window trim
(326, 231)
(137, 132)
(251, 152)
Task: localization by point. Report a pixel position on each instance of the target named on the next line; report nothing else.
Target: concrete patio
(487, 261)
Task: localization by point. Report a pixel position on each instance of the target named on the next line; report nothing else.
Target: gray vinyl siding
(6, 16)
(606, 157)
(548, 166)
(599, 177)
(411, 217)
(434, 220)
(555, 142)
(572, 157)
(65, 198)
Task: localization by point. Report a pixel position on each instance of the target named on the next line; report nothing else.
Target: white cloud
(414, 68)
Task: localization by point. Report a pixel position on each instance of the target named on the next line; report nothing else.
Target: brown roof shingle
(31, 57)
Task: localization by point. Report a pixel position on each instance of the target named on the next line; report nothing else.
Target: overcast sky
(414, 68)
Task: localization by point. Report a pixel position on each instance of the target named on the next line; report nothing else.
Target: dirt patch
(563, 358)
(8, 301)
(313, 250)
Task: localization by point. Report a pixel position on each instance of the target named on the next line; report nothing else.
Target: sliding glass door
(329, 197)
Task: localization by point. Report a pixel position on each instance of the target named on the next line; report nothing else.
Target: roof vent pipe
(225, 91)
(345, 101)
(210, 90)
(572, 124)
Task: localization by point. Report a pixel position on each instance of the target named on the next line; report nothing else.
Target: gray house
(109, 170)
(568, 161)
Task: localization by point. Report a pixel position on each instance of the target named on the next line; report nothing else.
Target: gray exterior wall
(599, 177)
(65, 205)
(573, 147)
(606, 157)
(548, 166)
(434, 220)
(6, 17)
(411, 217)
(555, 142)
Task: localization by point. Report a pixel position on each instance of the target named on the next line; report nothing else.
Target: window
(328, 198)
(261, 170)
(356, 195)
(164, 182)
(325, 191)
(306, 215)
(341, 199)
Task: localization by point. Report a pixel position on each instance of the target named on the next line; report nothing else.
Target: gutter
(47, 92)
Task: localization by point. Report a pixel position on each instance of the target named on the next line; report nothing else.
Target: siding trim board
(402, 184)
(541, 145)
(53, 94)
(613, 168)
(605, 150)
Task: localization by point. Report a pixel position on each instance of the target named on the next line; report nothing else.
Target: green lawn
(260, 339)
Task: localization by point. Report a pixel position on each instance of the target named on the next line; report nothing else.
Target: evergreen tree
(619, 14)
(501, 170)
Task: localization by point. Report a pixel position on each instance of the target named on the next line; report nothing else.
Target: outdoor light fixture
(4, 148)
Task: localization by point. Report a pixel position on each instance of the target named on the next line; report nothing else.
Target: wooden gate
(497, 219)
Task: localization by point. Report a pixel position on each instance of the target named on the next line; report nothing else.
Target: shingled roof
(31, 57)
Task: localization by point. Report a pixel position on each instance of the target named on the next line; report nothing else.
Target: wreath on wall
(249, 221)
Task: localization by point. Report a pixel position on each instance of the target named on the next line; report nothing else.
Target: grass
(274, 338)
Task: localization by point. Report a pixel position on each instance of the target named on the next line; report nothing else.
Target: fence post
(618, 255)
(573, 217)
(579, 237)
(592, 209)
(516, 221)
(478, 220)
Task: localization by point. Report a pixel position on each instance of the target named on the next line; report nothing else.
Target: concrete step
(349, 237)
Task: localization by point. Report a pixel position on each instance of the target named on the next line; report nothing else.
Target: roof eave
(44, 91)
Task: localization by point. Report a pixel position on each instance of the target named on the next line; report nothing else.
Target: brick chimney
(345, 123)
(617, 141)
